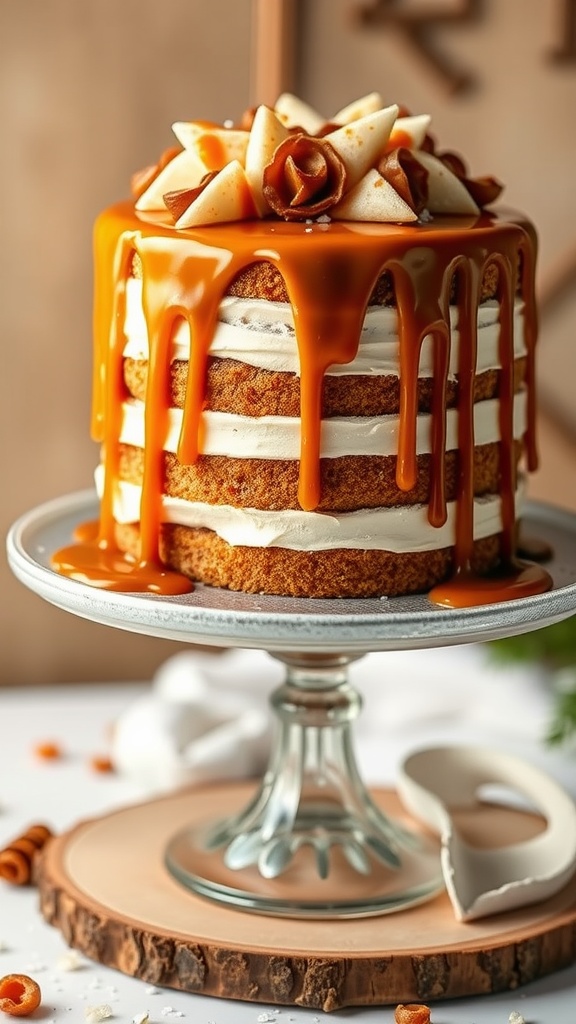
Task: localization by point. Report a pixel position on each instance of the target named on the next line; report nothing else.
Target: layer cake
(314, 364)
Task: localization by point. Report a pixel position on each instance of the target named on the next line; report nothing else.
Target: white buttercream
(261, 334)
(387, 529)
(278, 437)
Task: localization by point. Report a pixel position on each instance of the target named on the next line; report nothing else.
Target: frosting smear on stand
(332, 208)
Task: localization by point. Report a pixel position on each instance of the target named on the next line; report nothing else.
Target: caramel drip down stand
(159, 891)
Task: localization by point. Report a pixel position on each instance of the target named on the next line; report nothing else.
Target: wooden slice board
(105, 887)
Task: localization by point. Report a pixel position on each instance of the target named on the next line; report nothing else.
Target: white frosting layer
(261, 334)
(278, 437)
(389, 529)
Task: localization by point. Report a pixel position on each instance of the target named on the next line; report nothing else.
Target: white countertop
(458, 698)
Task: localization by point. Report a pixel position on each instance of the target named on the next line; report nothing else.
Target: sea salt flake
(265, 1018)
(166, 1010)
(95, 1014)
(141, 1018)
(4, 947)
(516, 1018)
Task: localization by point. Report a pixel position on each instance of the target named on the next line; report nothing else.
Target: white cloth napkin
(202, 720)
(206, 716)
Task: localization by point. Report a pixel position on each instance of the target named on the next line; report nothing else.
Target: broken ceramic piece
(435, 784)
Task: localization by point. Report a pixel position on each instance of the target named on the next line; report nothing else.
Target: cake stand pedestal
(155, 890)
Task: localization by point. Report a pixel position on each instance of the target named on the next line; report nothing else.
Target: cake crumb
(95, 1014)
(70, 961)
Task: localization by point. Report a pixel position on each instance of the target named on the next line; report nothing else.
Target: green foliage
(553, 647)
(563, 725)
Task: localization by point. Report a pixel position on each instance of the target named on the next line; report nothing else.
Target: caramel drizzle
(329, 278)
(469, 282)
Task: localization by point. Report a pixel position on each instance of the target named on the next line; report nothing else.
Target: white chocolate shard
(214, 146)
(186, 170)
(413, 127)
(226, 198)
(293, 112)
(266, 134)
(373, 199)
(446, 193)
(360, 108)
(360, 143)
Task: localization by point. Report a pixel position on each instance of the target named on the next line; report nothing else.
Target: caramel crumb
(17, 859)
(48, 751)
(19, 995)
(101, 763)
(412, 1013)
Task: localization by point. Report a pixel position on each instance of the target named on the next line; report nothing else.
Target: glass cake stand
(312, 842)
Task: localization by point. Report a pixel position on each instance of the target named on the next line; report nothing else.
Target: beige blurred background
(88, 92)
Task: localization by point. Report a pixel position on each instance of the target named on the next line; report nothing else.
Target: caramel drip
(527, 251)
(328, 319)
(507, 278)
(109, 419)
(514, 579)
(469, 282)
(420, 313)
(329, 272)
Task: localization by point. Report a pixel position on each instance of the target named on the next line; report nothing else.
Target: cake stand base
(105, 886)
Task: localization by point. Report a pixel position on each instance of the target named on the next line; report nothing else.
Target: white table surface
(447, 696)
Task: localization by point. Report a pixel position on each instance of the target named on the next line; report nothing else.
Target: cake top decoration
(367, 163)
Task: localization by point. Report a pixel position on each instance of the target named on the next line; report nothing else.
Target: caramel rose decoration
(401, 169)
(304, 179)
(483, 190)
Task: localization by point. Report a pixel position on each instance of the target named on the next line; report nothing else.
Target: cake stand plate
(105, 887)
(223, 618)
